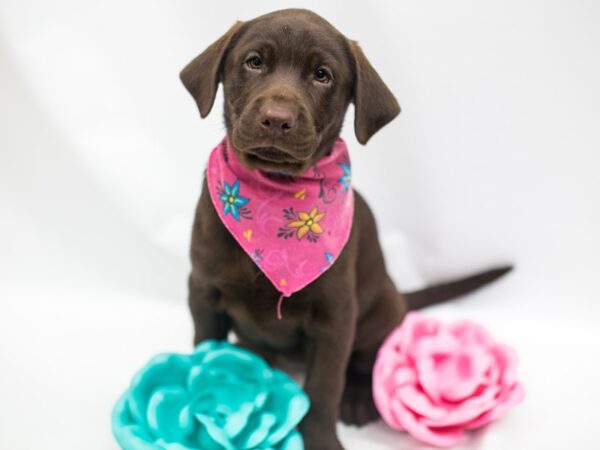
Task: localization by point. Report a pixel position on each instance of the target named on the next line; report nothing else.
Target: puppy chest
(253, 312)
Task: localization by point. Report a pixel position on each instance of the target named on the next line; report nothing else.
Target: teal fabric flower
(233, 202)
(220, 397)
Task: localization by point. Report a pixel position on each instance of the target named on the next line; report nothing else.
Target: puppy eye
(322, 75)
(254, 62)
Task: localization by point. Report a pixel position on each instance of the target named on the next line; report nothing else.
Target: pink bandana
(293, 227)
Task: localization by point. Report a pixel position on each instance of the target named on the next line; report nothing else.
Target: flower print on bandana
(346, 178)
(233, 202)
(328, 261)
(302, 224)
(258, 255)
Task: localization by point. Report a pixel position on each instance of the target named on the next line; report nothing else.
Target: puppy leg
(330, 344)
(357, 406)
(268, 355)
(209, 322)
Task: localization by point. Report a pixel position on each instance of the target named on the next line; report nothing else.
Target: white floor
(67, 357)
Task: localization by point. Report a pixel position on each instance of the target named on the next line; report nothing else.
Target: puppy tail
(446, 291)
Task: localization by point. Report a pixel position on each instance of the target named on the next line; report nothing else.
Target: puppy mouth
(266, 153)
(270, 155)
(272, 158)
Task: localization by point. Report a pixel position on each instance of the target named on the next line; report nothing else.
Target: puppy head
(288, 79)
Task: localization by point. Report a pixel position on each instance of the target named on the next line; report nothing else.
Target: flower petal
(313, 213)
(414, 327)
(467, 410)
(257, 430)
(296, 224)
(428, 379)
(238, 420)
(404, 376)
(240, 201)
(507, 360)
(318, 217)
(302, 231)
(164, 409)
(168, 446)
(433, 354)
(161, 370)
(127, 432)
(470, 333)
(293, 441)
(240, 363)
(512, 398)
(464, 374)
(383, 400)
(235, 189)
(418, 402)
(441, 437)
(210, 436)
(289, 404)
(316, 228)
(440, 345)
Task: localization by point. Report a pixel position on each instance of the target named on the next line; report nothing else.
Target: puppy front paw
(317, 436)
(319, 443)
(358, 407)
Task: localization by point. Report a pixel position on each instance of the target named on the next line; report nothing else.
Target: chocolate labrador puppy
(288, 79)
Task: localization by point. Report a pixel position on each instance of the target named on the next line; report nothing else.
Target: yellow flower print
(307, 222)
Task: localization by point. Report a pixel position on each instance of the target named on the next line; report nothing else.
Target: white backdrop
(494, 159)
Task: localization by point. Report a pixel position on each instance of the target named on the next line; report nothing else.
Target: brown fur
(280, 113)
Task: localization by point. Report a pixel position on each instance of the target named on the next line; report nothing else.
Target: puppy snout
(277, 119)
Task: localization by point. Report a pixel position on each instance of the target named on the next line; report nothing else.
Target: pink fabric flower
(436, 380)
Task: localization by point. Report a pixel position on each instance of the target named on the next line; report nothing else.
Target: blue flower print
(346, 178)
(328, 261)
(233, 202)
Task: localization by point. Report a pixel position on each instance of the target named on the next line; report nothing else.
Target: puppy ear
(374, 104)
(202, 75)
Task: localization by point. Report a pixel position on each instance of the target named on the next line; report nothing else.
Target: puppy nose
(278, 119)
